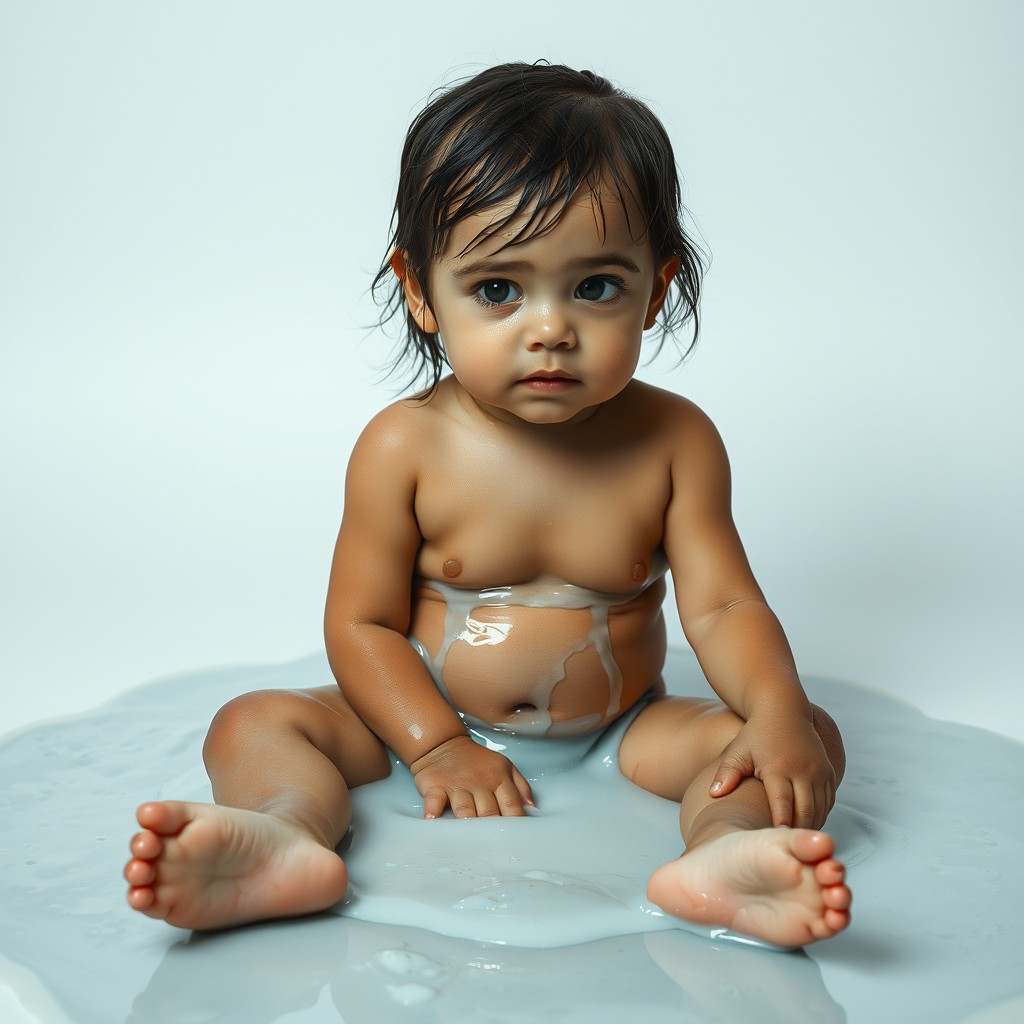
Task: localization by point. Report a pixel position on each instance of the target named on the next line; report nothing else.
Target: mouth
(549, 381)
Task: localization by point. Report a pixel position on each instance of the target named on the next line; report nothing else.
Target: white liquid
(928, 824)
(460, 625)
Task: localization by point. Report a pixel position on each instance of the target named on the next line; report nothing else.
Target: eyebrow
(496, 265)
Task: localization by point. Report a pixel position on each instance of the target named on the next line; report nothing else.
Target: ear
(662, 281)
(414, 297)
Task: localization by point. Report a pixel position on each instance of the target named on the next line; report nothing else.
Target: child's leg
(281, 763)
(778, 884)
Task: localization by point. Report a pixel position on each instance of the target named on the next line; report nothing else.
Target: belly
(541, 659)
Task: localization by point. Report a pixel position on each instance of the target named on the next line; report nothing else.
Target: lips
(549, 381)
(549, 375)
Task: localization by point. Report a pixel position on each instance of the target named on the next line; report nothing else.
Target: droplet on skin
(452, 568)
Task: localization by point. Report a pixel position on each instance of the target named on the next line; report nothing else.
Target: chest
(505, 515)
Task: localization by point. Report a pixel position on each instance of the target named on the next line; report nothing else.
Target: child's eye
(599, 289)
(497, 292)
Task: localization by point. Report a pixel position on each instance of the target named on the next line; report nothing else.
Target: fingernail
(716, 787)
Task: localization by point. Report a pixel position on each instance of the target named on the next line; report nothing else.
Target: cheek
(622, 359)
(476, 349)
(471, 363)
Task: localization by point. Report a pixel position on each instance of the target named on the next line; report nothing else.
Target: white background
(193, 200)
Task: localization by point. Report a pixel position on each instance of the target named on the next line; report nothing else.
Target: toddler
(501, 566)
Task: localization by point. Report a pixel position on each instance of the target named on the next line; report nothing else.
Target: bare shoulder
(396, 424)
(683, 424)
(400, 433)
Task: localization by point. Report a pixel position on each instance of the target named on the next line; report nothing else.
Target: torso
(539, 579)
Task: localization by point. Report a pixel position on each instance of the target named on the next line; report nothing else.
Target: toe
(830, 872)
(146, 845)
(140, 898)
(165, 818)
(810, 846)
(835, 921)
(139, 872)
(822, 929)
(836, 897)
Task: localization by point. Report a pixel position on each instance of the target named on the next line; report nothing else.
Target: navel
(640, 571)
(452, 568)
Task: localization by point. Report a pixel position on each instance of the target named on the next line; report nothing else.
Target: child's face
(546, 330)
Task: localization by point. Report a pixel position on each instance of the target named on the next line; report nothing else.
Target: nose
(549, 328)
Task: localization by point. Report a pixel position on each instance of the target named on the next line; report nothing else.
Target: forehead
(603, 216)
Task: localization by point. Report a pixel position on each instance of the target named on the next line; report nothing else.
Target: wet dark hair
(530, 135)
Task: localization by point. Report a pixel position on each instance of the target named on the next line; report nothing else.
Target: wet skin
(541, 461)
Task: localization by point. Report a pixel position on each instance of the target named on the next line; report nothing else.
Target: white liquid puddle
(452, 914)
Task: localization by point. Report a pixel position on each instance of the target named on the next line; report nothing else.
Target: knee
(831, 739)
(242, 718)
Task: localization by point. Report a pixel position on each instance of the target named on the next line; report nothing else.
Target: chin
(556, 417)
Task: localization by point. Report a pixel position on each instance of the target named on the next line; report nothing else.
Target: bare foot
(205, 866)
(779, 885)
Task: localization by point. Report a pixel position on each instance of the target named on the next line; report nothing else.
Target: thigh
(277, 720)
(673, 740)
(357, 752)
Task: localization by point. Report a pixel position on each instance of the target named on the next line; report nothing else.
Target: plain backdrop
(194, 198)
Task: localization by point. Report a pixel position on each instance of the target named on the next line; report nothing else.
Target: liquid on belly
(466, 622)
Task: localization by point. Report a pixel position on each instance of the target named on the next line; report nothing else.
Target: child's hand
(786, 754)
(474, 781)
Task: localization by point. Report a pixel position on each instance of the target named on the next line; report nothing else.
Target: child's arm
(365, 627)
(738, 640)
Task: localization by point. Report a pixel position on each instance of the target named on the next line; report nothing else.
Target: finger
(523, 788)
(807, 804)
(824, 800)
(435, 800)
(485, 804)
(780, 799)
(822, 803)
(510, 800)
(729, 775)
(830, 800)
(463, 804)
